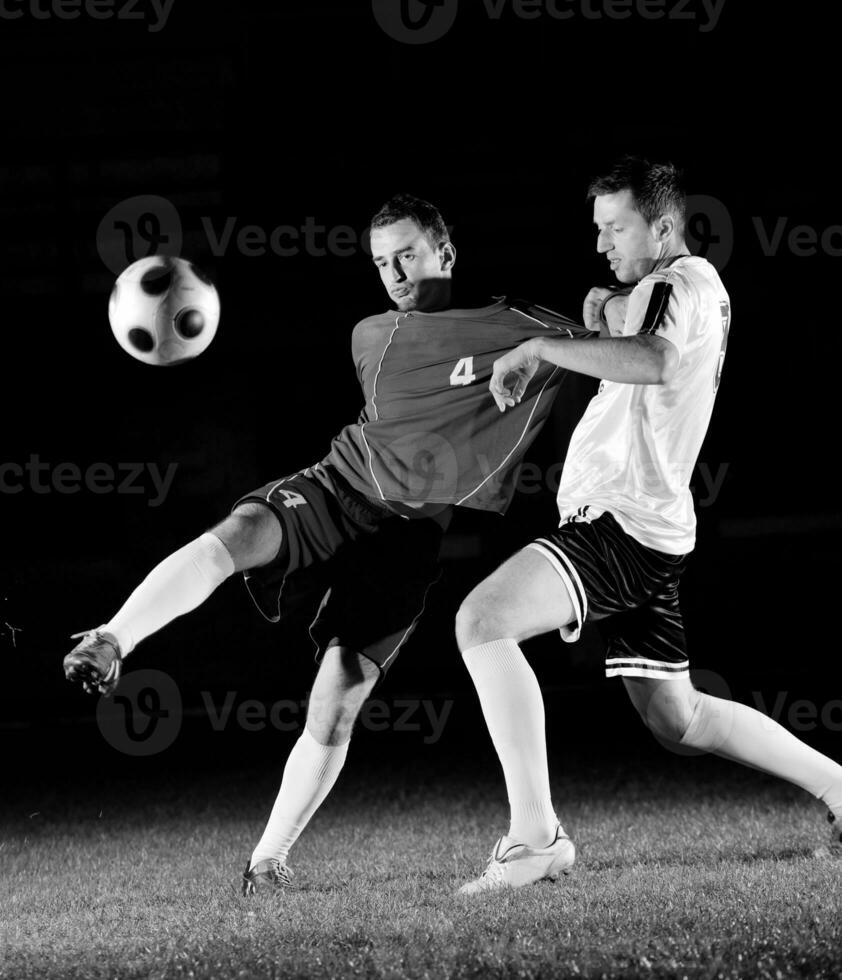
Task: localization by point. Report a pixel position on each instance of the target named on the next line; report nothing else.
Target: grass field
(687, 868)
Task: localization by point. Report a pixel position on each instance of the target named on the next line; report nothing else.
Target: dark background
(274, 114)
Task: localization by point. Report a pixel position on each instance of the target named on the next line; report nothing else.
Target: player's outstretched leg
(248, 538)
(677, 712)
(523, 598)
(343, 683)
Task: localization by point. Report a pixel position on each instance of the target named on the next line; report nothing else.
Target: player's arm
(654, 333)
(641, 359)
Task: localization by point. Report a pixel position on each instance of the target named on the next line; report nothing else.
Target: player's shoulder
(687, 272)
(690, 279)
(370, 334)
(376, 322)
(370, 329)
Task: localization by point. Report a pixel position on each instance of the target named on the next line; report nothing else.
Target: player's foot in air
(96, 663)
(514, 865)
(266, 877)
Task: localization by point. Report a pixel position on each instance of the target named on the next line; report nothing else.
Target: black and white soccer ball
(163, 310)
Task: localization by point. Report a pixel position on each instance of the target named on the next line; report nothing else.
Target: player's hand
(604, 310)
(512, 373)
(614, 310)
(592, 307)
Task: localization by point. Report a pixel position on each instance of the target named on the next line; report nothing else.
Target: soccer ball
(163, 310)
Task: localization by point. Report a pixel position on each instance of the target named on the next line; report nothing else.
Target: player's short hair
(657, 188)
(424, 214)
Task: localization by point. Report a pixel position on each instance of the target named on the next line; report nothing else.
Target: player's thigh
(666, 706)
(252, 534)
(524, 597)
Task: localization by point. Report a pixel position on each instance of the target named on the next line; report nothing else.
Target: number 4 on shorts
(463, 373)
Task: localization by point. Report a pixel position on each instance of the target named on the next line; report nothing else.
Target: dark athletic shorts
(611, 576)
(369, 569)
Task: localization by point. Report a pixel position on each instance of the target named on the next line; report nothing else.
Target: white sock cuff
(711, 723)
(321, 757)
(496, 656)
(125, 640)
(212, 558)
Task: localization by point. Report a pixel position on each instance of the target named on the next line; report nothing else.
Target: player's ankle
(534, 835)
(836, 813)
(262, 855)
(121, 638)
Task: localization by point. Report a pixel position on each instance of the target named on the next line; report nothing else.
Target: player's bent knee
(479, 621)
(344, 681)
(331, 717)
(668, 729)
(348, 669)
(331, 728)
(252, 534)
(669, 713)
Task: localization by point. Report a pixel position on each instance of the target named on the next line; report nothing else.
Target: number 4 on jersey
(463, 373)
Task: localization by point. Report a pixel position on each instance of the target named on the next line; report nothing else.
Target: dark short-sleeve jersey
(430, 432)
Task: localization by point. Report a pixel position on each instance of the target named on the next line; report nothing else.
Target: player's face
(630, 244)
(416, 275)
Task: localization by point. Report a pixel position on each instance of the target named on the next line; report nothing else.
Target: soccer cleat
(268, 876)
(833, 847)
(835, 842)
(96, 662)
(514, 865)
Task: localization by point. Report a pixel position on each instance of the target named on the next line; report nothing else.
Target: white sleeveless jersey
(634, 451)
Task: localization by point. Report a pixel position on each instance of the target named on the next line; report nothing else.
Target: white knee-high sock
(180, 583)
(309, 775)
(514, 712)
(740, 733)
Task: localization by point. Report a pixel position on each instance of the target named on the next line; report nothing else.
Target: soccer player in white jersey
(627, 527)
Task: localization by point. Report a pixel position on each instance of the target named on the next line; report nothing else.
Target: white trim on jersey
(641, 667)
(374, 407)
(570, 577)
(520, 438)
(275, 487)
(546, 309)
(546, 326)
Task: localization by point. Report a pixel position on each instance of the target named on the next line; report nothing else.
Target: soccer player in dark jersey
(361, 529)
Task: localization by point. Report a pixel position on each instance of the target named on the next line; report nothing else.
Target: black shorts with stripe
(368, 569)
(630, 589)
